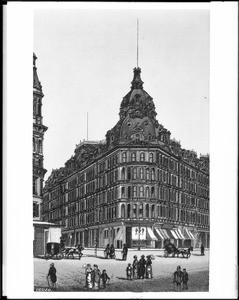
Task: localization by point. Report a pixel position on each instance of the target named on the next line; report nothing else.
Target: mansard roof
(137, 126)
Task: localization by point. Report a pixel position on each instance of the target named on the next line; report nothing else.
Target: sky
(85, 64)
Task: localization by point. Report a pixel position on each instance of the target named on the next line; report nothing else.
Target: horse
(185, 252)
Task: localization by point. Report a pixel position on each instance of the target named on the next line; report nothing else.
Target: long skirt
(89, 281)
(135, 273)
(149, 272)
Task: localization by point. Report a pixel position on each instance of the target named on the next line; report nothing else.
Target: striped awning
(174, 234)
(160, 234)
(180, 234)
(166, 234)
(151, 234)
(188, 234)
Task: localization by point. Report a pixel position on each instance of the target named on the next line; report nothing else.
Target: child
(129, 271)
(52, 275)
(185, 279)
(104, 277)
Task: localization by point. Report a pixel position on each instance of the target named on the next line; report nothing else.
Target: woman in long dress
(135, 267)
(149, 272)
(88, 276)
(96, 278)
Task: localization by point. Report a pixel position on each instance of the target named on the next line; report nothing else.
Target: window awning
(151, 234)
(54, 235)
(160, 234)
(179, 233)
(119, 235)
(174, 234)
(188, 235)
(191, 234)
(167, 236)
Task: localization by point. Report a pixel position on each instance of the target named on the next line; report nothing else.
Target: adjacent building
(138, 186)
(41, 228)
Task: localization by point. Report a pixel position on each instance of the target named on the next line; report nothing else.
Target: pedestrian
(149, 272)
(177, 279)
(142, 263)
(124, 252)
(185, 279)
(107, 251)
(104, 277)
(96, 278)
(202, 249)
(112, 251)
(88, 277)
(129, 271)
(135, 267)
(52, 275)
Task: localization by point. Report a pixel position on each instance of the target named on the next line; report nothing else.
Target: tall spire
(137, 82)
(137, 43)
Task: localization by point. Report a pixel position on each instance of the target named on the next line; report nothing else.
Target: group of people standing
(140, 269)
(94, 276)
(180, 279)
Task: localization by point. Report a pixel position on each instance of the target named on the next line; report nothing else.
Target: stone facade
(138, 186)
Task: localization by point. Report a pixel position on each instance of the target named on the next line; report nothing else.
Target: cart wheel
(47, 256)
(59, 256)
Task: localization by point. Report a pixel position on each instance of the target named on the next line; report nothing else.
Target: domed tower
(137, 124)
(38, 136)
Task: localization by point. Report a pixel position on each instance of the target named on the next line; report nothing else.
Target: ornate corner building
(38, 137)
(138, 186)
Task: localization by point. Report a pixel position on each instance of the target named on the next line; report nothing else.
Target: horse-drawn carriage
(53, 250)
(70, 251)
(171, 249)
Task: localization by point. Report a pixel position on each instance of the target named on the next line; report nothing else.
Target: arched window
(34, 145)
(134, 191)
(128, 211)
(153, 174)
(141, 173)
(123, 191)
(142, 156)
(152, 191)
(129, 191)
(151, 157)
(135, 173)
(147, 174)
(129, 173)
(158, 211)
(141, 210)
(124, 157)
(147, 211)
(123, 174)
(122, 211)
(134, 211)
(141, 191)
(133, 156)
(152, 211)
(147, 192)
(40, 146)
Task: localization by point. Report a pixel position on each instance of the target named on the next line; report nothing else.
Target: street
(71, 273)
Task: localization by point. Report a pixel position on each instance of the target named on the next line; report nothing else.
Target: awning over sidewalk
(160, 234)
(179, 233)
(119, 235)
(166, 234)
(188, 235)
(151, 234)
(174, 234)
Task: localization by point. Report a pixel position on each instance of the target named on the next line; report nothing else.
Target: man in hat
(52, 275)
(142, 263)
(202, 249)
(124, 252)
(177, 279)
(185, 279)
